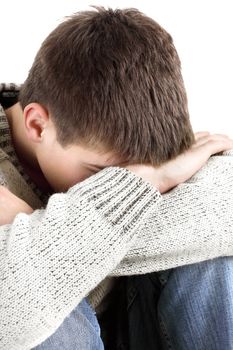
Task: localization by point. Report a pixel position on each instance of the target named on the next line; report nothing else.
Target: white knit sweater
(52, 259)
(110, 224)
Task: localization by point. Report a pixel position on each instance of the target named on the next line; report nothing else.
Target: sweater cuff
(123, 198)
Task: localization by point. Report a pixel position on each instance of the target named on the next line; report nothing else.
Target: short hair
(111, 79)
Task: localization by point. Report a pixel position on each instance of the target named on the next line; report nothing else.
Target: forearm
(192, 223)
(52, 258)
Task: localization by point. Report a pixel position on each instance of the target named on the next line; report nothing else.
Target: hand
(180, 169)
(10, 206)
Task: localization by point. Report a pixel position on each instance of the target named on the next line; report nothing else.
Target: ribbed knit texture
(110, 224)
(52, 259)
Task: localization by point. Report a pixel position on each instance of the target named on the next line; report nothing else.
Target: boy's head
(111, 81)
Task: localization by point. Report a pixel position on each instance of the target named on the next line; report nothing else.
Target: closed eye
(95, 167)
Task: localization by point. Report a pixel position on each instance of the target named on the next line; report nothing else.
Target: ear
(36, 117)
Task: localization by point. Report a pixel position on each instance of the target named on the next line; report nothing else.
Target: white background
(202, 31)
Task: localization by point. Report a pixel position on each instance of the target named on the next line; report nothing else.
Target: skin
(49, 164)
(55, 168)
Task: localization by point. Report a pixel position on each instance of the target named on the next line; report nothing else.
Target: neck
(24, 147)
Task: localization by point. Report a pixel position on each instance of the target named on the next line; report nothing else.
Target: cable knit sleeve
(51, 259)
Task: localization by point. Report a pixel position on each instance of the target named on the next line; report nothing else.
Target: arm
(41, 258)
(192, 223)
(52, 258)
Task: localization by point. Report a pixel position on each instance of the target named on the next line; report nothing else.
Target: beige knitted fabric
(11, 178)
(53, 258)
(192, 223)
(110, 224)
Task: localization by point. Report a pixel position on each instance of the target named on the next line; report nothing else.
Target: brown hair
(112, 79)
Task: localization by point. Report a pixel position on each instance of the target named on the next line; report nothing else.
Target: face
(64, 167)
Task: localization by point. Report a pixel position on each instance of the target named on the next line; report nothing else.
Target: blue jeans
(79, 331)
(186, 308)
(195, 308)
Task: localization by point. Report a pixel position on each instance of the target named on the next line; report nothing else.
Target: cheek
(61, 169)
(68, 177)
(53, 169)
(62, 174)
(75, 175)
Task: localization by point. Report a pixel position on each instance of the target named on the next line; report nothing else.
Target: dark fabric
(130, 322)
(114, 321)
(143, 293)
(8, 98)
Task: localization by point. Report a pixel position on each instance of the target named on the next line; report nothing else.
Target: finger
(208, 138)
(216, 146)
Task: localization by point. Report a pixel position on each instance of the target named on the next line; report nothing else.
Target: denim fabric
(79, 331)
(195, 309)
(187, 308)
